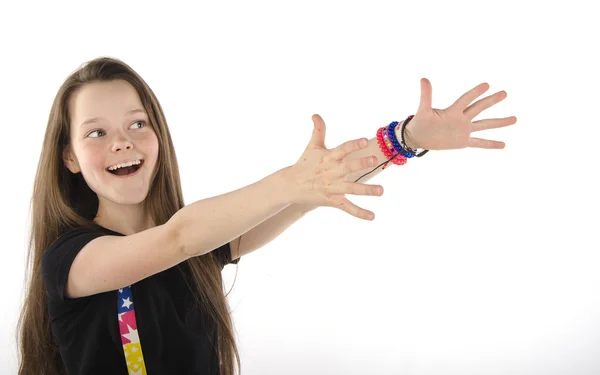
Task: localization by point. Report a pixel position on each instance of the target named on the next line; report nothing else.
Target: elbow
(174, 237)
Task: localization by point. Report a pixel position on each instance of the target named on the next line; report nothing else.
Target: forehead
(109, 100)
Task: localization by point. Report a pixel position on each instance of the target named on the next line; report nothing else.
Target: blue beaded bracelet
(392, 137)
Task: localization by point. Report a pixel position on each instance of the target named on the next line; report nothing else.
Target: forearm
(267, 231)
(209, 223)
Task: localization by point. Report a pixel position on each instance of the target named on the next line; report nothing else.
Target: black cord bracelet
(402, 130)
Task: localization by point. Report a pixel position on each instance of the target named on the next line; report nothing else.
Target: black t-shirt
(176, 336)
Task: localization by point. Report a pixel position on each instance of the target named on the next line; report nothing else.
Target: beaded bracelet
(391, 132)
(386, 151)
(397, 158)
(389, 152)
(396, 152)
(388, 143)
(389, 138)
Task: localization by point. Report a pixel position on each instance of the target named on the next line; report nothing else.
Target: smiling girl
(124, 277)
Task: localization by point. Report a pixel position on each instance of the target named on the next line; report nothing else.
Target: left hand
(451, 128)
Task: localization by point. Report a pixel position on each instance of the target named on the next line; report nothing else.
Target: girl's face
(109, 127)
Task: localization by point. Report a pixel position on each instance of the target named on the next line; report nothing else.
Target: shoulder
(68, 240)
(58, 257)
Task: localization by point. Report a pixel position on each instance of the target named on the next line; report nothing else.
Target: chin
(130, 193)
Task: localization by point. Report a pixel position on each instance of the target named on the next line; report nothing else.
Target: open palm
(451, 128)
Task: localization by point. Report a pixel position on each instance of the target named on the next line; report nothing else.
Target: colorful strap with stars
(129, 333)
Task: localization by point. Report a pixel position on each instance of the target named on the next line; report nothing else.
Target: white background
(478, 261)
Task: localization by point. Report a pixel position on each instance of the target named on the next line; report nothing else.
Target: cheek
(92, 158)
(152, 147)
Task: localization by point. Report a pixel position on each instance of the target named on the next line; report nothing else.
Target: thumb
(425, 104)
(318, 134)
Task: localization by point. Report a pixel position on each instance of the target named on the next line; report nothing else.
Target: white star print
(120, 290)
(135, 372)
(134, 349)
(121, 316)
(132, 335)
(127, 302)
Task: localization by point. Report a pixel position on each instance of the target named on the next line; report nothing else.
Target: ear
(70, 160)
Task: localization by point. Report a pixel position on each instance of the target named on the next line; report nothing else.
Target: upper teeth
(122, 165)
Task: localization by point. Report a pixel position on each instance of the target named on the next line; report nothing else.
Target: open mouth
(125, 171)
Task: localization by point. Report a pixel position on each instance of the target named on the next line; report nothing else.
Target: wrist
(288, 187)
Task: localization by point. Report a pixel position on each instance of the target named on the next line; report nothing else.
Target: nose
(121, 143)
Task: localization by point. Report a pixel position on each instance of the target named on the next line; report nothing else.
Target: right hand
(319, 177)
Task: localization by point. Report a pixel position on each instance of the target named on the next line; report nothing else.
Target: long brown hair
(62, 200)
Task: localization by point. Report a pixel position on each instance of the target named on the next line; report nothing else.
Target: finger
(356, 188)
(346, 148)
(466, 99)
(484, 143)
(493, 123)
(476, 108)
(356, 165)
(319, 130)
(345, 205)
(426, 94)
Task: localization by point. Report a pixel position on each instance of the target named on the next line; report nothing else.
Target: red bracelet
(384, 145)
(383, 148)
(397, 158)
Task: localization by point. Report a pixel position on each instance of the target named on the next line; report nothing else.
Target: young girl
(124, 278)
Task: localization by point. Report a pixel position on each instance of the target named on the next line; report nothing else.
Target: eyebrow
(95, 119)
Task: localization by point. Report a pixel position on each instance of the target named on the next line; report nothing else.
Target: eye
(97, 132)
(143, 123)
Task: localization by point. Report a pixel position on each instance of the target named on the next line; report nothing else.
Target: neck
(124, 219)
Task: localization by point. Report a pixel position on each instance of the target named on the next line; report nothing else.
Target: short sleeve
(58, 258)
(223, 254)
